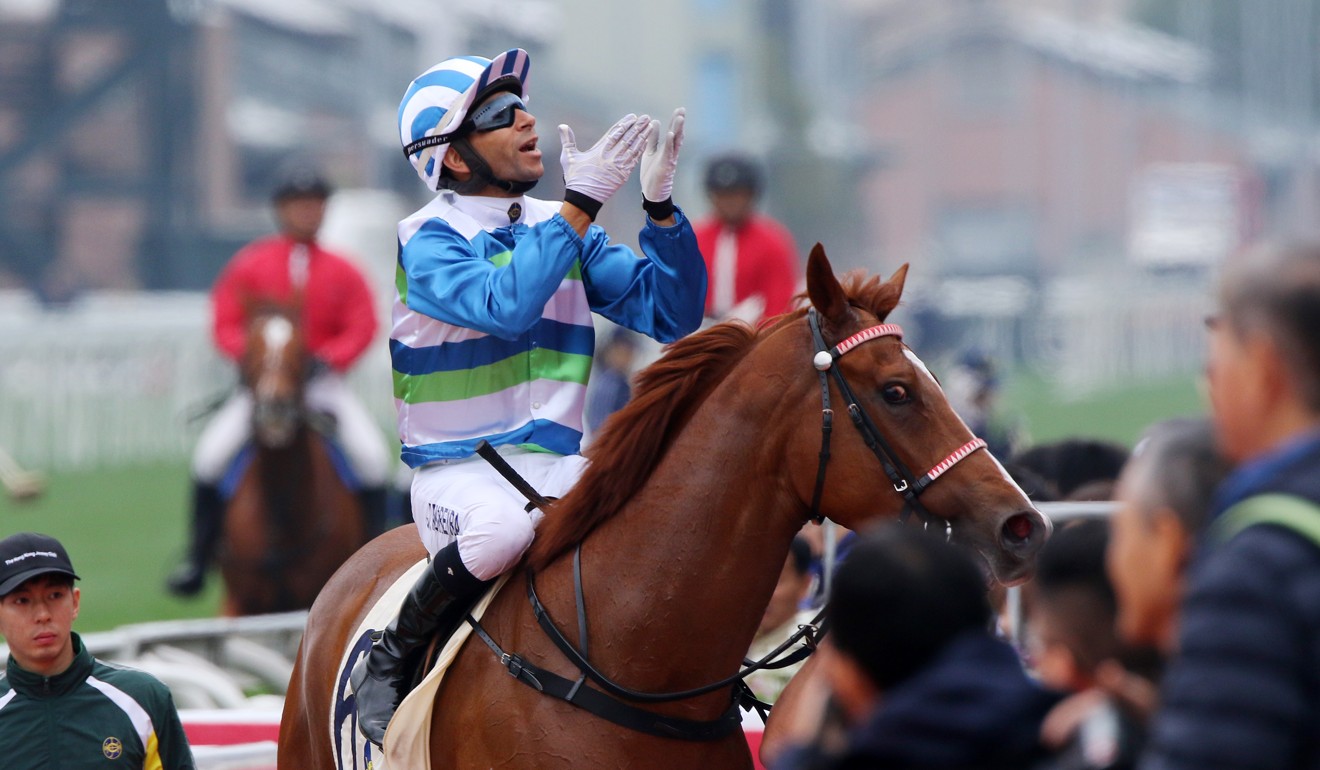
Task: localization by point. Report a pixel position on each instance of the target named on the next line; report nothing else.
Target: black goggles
(497, 112)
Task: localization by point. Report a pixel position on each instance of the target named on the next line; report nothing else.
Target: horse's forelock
(871, 293)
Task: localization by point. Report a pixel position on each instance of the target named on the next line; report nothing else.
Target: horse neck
(690, 562)
(286, 481)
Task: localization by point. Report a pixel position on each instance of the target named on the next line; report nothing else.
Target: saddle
(407, 741)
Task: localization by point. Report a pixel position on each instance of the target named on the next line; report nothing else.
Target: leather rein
(606, 702)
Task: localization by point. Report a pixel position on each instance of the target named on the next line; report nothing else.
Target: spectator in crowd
(339, 321)
(909, 676)
(1164, 501)
(1244, 688)
(59, 706)
(972, 387)
(1071, 637)
(783, 615)
(751, 259)
(1072, 463)
(822, 563)
(611, 381)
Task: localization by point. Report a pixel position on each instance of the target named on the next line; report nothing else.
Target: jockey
(493, 333)
(753, 263)
(339, 321)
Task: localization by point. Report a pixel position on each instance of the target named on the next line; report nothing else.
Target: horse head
(923, 458)
(274, 370)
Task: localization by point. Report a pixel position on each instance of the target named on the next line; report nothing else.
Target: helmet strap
(481, 176)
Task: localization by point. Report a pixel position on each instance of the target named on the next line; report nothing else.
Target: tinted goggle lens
(496, 113)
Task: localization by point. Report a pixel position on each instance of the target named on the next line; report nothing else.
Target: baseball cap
(28, 554)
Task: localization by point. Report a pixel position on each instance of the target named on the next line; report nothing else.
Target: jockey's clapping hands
(658, 164)
(592, 176)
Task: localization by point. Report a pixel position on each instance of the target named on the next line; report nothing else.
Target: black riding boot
(375, 510)
(208, 519)
(437, 602)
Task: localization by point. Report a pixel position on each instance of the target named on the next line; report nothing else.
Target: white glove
(599, 172)
(661, 158)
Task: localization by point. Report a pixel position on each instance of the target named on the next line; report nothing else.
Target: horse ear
(890, 292)
(826, 295)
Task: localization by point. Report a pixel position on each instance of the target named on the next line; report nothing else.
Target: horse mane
(635, 437)
(665, 395)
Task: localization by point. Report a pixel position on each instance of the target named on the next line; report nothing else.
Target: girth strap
(609, 708)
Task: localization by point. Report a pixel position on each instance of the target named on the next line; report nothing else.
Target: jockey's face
(511, 151)
(732, 207)
(36, 619)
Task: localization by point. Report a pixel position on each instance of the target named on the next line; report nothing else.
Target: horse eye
(894, 393)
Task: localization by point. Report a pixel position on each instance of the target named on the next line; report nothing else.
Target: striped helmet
(438, 100)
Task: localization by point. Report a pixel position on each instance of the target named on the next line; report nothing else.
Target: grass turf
(124, 529)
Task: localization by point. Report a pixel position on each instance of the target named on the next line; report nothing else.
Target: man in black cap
(59, 706)
(338, 321)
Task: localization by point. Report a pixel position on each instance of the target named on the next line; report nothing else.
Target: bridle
(904, 481)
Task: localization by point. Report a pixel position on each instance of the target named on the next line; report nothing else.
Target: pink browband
(825, 358)
(883, 330)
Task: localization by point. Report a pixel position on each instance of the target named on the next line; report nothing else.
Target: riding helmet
(733, 172)
(438, 100)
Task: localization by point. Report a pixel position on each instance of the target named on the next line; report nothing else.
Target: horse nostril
(1018, 529)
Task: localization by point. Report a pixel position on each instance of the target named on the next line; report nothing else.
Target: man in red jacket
(338, 320)
(750, 258)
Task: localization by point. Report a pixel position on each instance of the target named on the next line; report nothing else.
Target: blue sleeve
(448, 279)
(1240, 693)
(661, 294)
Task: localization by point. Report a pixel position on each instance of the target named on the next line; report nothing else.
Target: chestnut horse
(684, 519)
(292, 521)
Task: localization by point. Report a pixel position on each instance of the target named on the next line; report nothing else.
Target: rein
(607, 704)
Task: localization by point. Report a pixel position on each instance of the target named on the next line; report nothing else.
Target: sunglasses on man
(498, 112)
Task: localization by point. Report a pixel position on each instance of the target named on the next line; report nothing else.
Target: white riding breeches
(355, 431)
(470, 502)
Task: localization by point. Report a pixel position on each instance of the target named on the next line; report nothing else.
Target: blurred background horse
(292, 519)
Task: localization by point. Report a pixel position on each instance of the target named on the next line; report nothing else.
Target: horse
(678, 530)
(291, 521)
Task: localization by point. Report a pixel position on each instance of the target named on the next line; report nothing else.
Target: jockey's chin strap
(904, 481)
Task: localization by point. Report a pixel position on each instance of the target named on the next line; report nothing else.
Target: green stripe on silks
(504, 257)
(401, 283)
(537, 364)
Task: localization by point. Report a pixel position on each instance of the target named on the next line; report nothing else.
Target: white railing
(117, 379)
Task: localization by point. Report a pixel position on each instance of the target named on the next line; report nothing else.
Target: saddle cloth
(407, 740)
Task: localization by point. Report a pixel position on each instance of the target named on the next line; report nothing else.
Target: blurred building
(1022, 142)
(139, 138)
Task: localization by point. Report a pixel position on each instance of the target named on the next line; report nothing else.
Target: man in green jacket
(59, 706)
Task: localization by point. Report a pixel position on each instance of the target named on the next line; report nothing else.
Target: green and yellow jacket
(93, 715)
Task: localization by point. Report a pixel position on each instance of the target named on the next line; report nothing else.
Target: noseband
(905, 482)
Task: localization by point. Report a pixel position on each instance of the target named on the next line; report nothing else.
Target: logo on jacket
(112, 747)
(515, 211)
